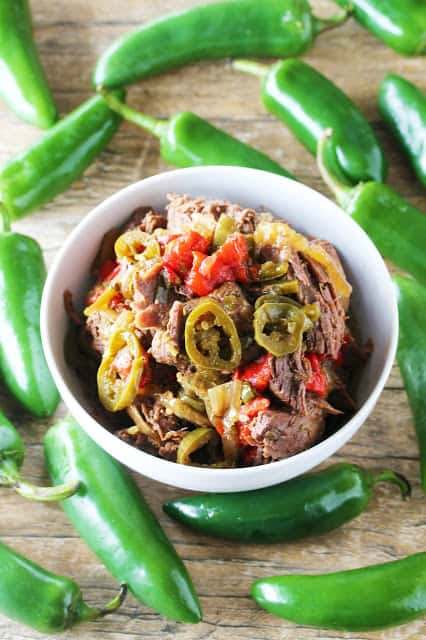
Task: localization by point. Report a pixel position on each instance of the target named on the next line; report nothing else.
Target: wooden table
(70, 36)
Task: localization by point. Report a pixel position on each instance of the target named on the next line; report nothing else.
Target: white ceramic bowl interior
(373, 303)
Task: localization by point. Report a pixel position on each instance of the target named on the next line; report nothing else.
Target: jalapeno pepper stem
(10, 477)
(87, 613)
(4, 219)
(325, 24)
(387, 475)
(341, 191)
(249, 66)
(153, 125)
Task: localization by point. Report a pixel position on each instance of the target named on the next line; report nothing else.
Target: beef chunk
(98, 325)
(281, 434)
(175, 323)
(236, 305)
(145, 219)
(146, 283)
(288, 380)
(168, 427)
(315, 286)
(163, 349)
(153, 317)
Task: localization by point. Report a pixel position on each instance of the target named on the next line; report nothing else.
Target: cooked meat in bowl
(216, 335)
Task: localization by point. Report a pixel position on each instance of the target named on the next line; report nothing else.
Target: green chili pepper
(11, 459)
(226, 226)
(403, 107)
(374, 597)
(42, 600)
(113, 518)
(308, 103)
(412, 355)
(306, 506)
(57, 159)
(279, 327)
(206, 327)
(225, 29)
(401, 24)
(397, 228)
(23, 84)
(194, 441)
(23, 367)
(189, 141)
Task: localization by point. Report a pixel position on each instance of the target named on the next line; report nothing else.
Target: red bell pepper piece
(247, 412)
(318, 383)
(178, 254)
(195, 281)
(257, 373)
(109, 269)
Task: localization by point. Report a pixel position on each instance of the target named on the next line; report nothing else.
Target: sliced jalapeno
(271, 270)
(278, 327)
(282, 288)
(102, 304)
(194, 441)
(136, 244)
(117, 391)
(274, 297)
(211, 338)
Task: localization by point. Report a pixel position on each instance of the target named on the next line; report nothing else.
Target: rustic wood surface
(70, 36)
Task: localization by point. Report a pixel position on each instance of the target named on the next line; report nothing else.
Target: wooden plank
(70, 36)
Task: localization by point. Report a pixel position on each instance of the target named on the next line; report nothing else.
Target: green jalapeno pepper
(43, 600)
(308, 103)
(23, 83)
(305, 506)
(400, 24)
(23, 367)
(12, 454)
(396, 227)
(220, 30)
(118, 391)
(403, 107)
(205, 328)
(194, 441)
(57, 159)
(411, 355)
(374, 597)
(186, 140)
(279, 327)
(113, 518)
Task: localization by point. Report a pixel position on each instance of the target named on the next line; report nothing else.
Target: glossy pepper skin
(23, 367)
(57, 159)
(305, 506)
(12, 454)
(186, 140)
(401, 24)
(403, 107)
(412, 355)
(374, 597)
(309, 103)
(42, 600)
(23, 83)
(114, 520)
(220, 30)
(396, 227)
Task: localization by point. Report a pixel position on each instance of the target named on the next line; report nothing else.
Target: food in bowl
(221, 333)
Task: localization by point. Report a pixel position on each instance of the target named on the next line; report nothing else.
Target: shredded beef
(169, 427)
(237, 306)
(175, 323)
(146, 219)
(98, 326)
(153, 317)
(327, 335)
(288, 380)
(281, 434)
(146, 283)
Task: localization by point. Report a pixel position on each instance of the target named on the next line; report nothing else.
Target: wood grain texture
(70, 36)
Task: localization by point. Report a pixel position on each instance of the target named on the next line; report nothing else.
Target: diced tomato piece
(178, 254)
(109, 269)
(219, 426)
(318, 383)
(164, 238)
(171, 276)
(257, 373)
(117, 301)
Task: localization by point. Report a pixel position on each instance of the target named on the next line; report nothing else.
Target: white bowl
(373, 303)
